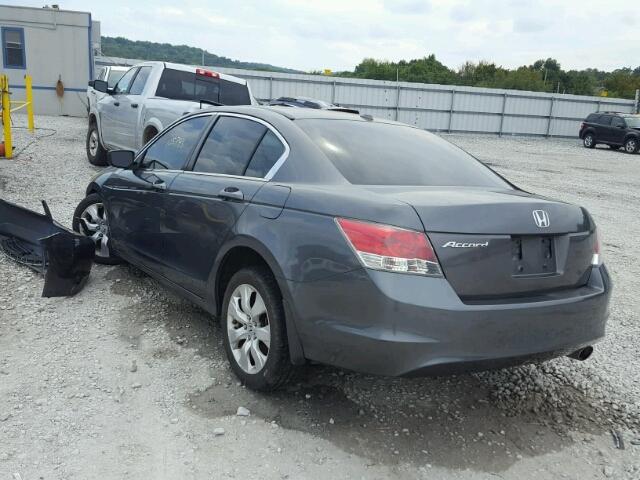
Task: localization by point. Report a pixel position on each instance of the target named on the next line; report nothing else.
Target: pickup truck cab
(110, 74)
(150, 96)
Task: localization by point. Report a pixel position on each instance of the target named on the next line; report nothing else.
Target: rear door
(137, 198)
(207, 200)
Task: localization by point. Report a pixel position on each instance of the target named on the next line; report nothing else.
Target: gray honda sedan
(361, 243)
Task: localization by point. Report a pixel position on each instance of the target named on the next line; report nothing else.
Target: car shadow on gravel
(484, 422)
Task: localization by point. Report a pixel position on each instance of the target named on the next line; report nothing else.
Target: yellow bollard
(29, 94)
(6, 115)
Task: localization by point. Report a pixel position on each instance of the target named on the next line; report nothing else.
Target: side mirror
(91, 83)
(100, 86)
(120, 158)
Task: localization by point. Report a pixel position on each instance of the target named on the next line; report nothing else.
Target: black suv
(618, 130)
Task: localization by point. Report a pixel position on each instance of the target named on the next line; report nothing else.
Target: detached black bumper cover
(36, 240)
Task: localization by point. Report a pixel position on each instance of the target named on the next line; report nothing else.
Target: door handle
(231, 193)
(134, 105)
(116, 104)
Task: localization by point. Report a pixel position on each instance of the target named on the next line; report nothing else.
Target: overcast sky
(338, 34)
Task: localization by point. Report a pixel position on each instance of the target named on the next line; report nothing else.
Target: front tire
(589, 140)
(631, 145)
(254, 330)
(90, 219)
(96, 153)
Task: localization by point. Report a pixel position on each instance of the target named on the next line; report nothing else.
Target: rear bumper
(395, 324)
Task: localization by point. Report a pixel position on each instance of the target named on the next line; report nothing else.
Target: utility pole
(203, 57)
(637, 100)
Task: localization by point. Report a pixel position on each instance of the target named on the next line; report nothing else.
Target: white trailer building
(53, 46)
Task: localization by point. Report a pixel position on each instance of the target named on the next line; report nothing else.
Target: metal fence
(445, 108)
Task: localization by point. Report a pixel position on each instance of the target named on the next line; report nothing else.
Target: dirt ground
(127, 381)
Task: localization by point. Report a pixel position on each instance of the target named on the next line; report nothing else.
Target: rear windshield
(370, 153)
(180, 85)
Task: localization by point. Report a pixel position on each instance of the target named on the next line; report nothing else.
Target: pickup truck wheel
(254, 331)
(90, 219)
(631, 145)
(96, 153)
(589, 140)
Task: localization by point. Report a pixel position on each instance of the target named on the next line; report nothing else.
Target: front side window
(617, 122)
(114, 76)
(13, 50)
(123, 84)
(173, 147)
(101, 72)
(376, 153)
(140, 81)
(229, 146)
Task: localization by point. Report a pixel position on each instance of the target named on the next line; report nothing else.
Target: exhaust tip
(582, 354)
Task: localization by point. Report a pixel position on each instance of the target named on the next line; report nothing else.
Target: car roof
(297, 113)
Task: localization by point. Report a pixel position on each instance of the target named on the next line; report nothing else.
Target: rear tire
(254, 330)
(90, 220)
(96, 153)
(631, 145)
(589, 140)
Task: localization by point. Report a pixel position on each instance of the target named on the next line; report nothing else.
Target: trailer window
(13, 48)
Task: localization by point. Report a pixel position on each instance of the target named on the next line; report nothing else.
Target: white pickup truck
(111, 74)
(150, 96)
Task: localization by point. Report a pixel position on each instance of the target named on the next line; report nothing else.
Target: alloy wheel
(588, 141)
(630, 146)
(94, 224)
(93, 142)
(248, 328)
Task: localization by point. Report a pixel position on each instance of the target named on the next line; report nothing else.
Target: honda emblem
(541, 218)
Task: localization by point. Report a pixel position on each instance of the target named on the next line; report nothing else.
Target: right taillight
(393, 249)
(596, 259)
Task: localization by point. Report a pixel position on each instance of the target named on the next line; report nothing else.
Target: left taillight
(393, 249)
(596, 259)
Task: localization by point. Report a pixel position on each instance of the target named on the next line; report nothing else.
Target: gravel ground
(125, 380)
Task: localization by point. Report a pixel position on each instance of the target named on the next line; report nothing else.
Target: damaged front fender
(37, 241)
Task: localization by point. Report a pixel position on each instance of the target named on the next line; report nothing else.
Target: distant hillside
(125, 48)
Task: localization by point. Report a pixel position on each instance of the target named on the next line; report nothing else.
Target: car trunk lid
(503, 243)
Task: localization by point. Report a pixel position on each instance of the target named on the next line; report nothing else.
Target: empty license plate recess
(533, 255)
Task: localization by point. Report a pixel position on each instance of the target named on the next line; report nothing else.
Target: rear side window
(172, 149)
(176, 85)
(605, 120)
(373, 153)
(229, 146)
(265, 156)
(593, 118)
(232, 93)
(140, 81)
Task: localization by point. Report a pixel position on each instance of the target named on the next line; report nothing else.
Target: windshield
(633, 122)
(371, 153)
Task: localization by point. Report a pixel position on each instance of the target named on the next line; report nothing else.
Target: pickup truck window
(180, 85)
(140, 81)
(229, 146)
(232, 93)
(114, 76)
(123, 84)
(172, 149)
